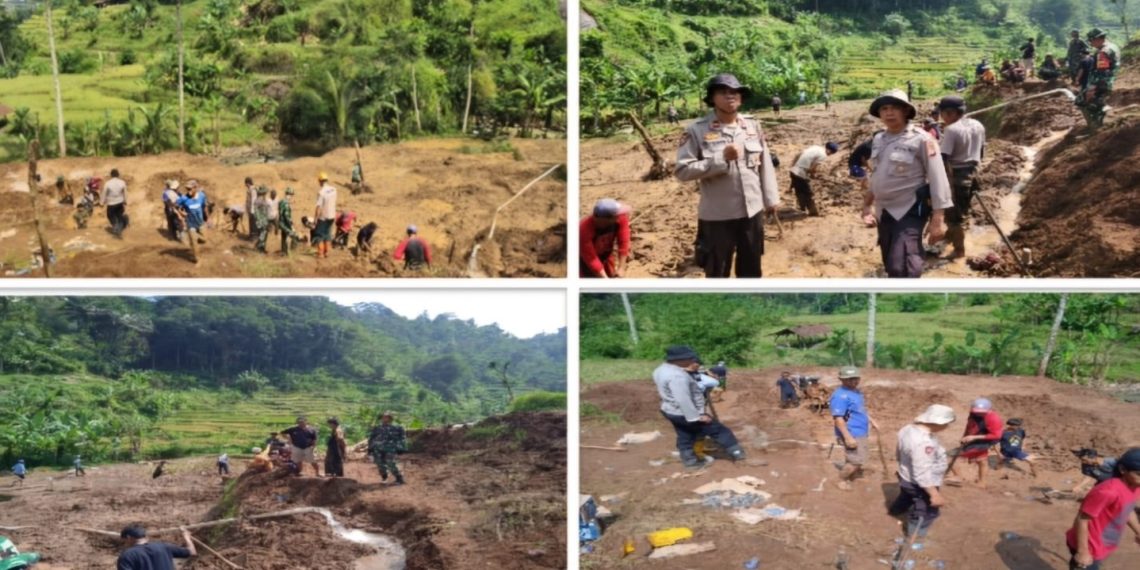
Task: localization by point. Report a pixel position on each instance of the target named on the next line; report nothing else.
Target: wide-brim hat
(936, 414)
(895, 97)
(848, 373)
(680, 352)
(726, 80)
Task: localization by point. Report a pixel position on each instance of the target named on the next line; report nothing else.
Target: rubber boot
(689, 459)
(736, 453)
(956, 235)
(400, 479)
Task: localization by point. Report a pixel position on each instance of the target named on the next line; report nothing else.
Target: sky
(520, 312)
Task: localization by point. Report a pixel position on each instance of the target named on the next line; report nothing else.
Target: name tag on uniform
(709, 137)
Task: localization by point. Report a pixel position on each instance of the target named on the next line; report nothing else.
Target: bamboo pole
(213, 523)
(214, 552)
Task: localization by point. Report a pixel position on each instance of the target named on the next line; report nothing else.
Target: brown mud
(449, 194)
(470, 502)
(788, 449)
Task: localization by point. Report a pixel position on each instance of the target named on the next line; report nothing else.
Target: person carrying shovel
(852, 424)
(683, 404)
(963, 146)
(983, 431)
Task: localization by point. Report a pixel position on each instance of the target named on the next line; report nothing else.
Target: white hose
(1067, 93)
(472, 264)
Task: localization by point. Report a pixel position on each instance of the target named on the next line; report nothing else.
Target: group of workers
(923, 463)
(917, 181)
(298, 448)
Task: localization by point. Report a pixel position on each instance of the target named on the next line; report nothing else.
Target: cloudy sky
(522, 313)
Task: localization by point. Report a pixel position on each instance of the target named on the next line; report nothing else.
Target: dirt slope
(1053, 212)
(469, 503)
(450, 195)
(968, 535)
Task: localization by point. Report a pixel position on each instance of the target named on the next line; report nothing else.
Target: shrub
(128, 58)
(539, 401)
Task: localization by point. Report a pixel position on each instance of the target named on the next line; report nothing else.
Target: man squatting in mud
(726, 153)
(908, 187)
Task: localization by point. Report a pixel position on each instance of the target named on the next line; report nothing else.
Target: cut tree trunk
(34, 192)
(181, 84)
(871, 305)
(660, 168)
(416, 100)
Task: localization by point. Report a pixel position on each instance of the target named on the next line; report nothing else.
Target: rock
(683, 550)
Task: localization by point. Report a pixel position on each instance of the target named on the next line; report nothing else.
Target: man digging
(683, 404)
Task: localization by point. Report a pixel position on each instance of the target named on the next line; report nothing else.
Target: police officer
(1093, 96)
(908, 187)
(963, 146)
(727, 154)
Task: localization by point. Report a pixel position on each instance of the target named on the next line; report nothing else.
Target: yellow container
(669, 536)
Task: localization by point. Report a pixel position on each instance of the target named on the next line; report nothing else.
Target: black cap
(725, 80)
(680, 352)
(952, 102)
(1096, 33)
(1130, 461)
(1015, 422)
(133, 531)
(1085, 452)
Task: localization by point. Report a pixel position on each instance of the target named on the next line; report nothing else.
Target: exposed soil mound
(633, 402)
(448, 188)
(528, 431)
(1081, 215)
(1027, 122)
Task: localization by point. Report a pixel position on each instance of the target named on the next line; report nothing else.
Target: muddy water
(389, 554)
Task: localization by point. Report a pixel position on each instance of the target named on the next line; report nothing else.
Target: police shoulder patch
(931, 147)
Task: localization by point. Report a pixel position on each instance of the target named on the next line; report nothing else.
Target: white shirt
(922, 459)
(680, 395)
(963, 142)
(326, 203)
(811, 156)
(114, 192)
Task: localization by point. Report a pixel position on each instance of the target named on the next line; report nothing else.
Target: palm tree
(536, 95)
(342, 95)
(154, 134)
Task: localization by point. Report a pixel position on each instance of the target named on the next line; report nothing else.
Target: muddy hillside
(449, 188)
(489, 495)
(1037, 177)
(788, 512)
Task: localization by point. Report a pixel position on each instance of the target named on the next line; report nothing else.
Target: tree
(181, 83)
(871, 306)
(501, 371)
(55, 80)
(1052, 344)
(154, 134)
(1122, 9)
(896, 25)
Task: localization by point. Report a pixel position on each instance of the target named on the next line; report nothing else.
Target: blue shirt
(849, 405)
(19, 469)
(194, 209)
(1011, 440)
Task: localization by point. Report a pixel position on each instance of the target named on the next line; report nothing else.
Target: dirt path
(967, 536)
(837, 243)
(449, 194)
(461, 494)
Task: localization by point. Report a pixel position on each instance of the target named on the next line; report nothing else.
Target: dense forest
(978, 333)
(642, 55)
(107, 370)
(306, 72)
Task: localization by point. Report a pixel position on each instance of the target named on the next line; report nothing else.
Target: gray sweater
(680, 394)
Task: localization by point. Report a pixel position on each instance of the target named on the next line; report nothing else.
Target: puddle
(389, 554)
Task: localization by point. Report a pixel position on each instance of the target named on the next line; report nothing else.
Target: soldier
(261, 217)
(1101, 77)
(908, 187)
(1073, 57)
(384, 443)
(727, 154)
(285, 221)
(250, 196)
(325, 215)
(963, 146)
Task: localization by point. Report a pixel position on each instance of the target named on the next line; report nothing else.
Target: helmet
(323, 177)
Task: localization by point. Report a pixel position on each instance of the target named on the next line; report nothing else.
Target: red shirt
(399, 254)
(994, 427)
(1108, 506)
(595, 246)
(344, 222)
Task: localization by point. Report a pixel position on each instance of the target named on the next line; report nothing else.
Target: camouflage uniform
(1102, 75)
(83, 210)
(384, 443)
(261, 217)
(285, 221)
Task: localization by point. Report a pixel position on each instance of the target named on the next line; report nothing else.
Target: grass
(891, 328)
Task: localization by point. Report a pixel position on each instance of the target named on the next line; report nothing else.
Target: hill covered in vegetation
(640, 55)
(308, 73)
(118, 376)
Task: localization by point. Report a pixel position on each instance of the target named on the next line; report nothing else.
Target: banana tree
(155, 133)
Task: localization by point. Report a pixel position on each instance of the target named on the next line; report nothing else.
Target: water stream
(389, 554)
